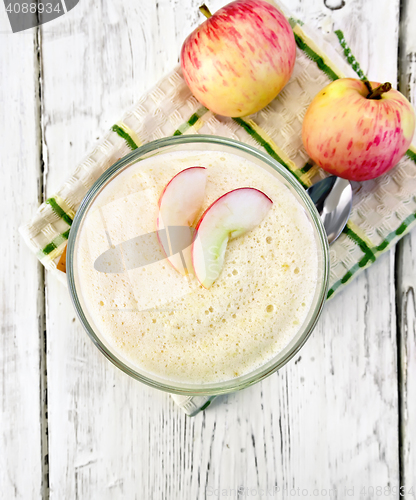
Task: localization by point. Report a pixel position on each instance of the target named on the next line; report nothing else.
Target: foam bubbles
(173, 327)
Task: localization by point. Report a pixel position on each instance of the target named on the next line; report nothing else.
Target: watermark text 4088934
(24, 14)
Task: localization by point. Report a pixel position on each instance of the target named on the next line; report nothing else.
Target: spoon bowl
(333, 200)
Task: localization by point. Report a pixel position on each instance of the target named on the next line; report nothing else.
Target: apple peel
(179, 206)
(358, 129)
(230, 216)
(240, 58)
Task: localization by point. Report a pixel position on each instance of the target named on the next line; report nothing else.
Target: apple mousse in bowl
(198, 265)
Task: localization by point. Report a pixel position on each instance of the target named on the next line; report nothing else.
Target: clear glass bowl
(202, 143)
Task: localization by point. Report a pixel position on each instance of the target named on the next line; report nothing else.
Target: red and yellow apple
(239, 59)
(358, 130)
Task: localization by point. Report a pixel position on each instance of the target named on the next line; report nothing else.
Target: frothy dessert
(167, 324)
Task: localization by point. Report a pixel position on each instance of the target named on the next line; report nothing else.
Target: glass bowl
(201, 143)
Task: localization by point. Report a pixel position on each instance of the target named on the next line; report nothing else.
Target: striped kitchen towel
(384, 209)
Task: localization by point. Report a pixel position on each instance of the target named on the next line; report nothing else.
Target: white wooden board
(406, 279)
(21, 277)
(328, 420)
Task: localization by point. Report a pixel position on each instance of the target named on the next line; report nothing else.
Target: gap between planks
(404, 292)
(43, 373)
(397, 273)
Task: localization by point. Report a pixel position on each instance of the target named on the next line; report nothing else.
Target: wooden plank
(347, 415)
(21, 277)
(406, 278)
(103, 427)
(327, 420)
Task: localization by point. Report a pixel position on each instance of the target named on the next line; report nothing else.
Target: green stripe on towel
(398, 232)
(123, 134)
(308, 165)
(348, 275)
(361, 243)
(349, 55)
(411, 155)
(315, 57)
(404, 226)
(50, 247)
(192, 120)
(59, 211)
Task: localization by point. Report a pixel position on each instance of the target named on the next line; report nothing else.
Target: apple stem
(204, 9)
(377, 92)
(368, 85)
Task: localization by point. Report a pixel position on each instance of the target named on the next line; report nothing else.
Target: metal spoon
(333, 200)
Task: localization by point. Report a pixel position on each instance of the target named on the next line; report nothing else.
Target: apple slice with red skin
(230, 216)
(179, 206)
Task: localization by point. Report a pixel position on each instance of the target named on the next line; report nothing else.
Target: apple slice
(232, 215)
(179, 206)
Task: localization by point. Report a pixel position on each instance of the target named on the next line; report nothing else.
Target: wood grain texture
(101, 58)
(406, 277)
(21, 277)
(328, 420)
